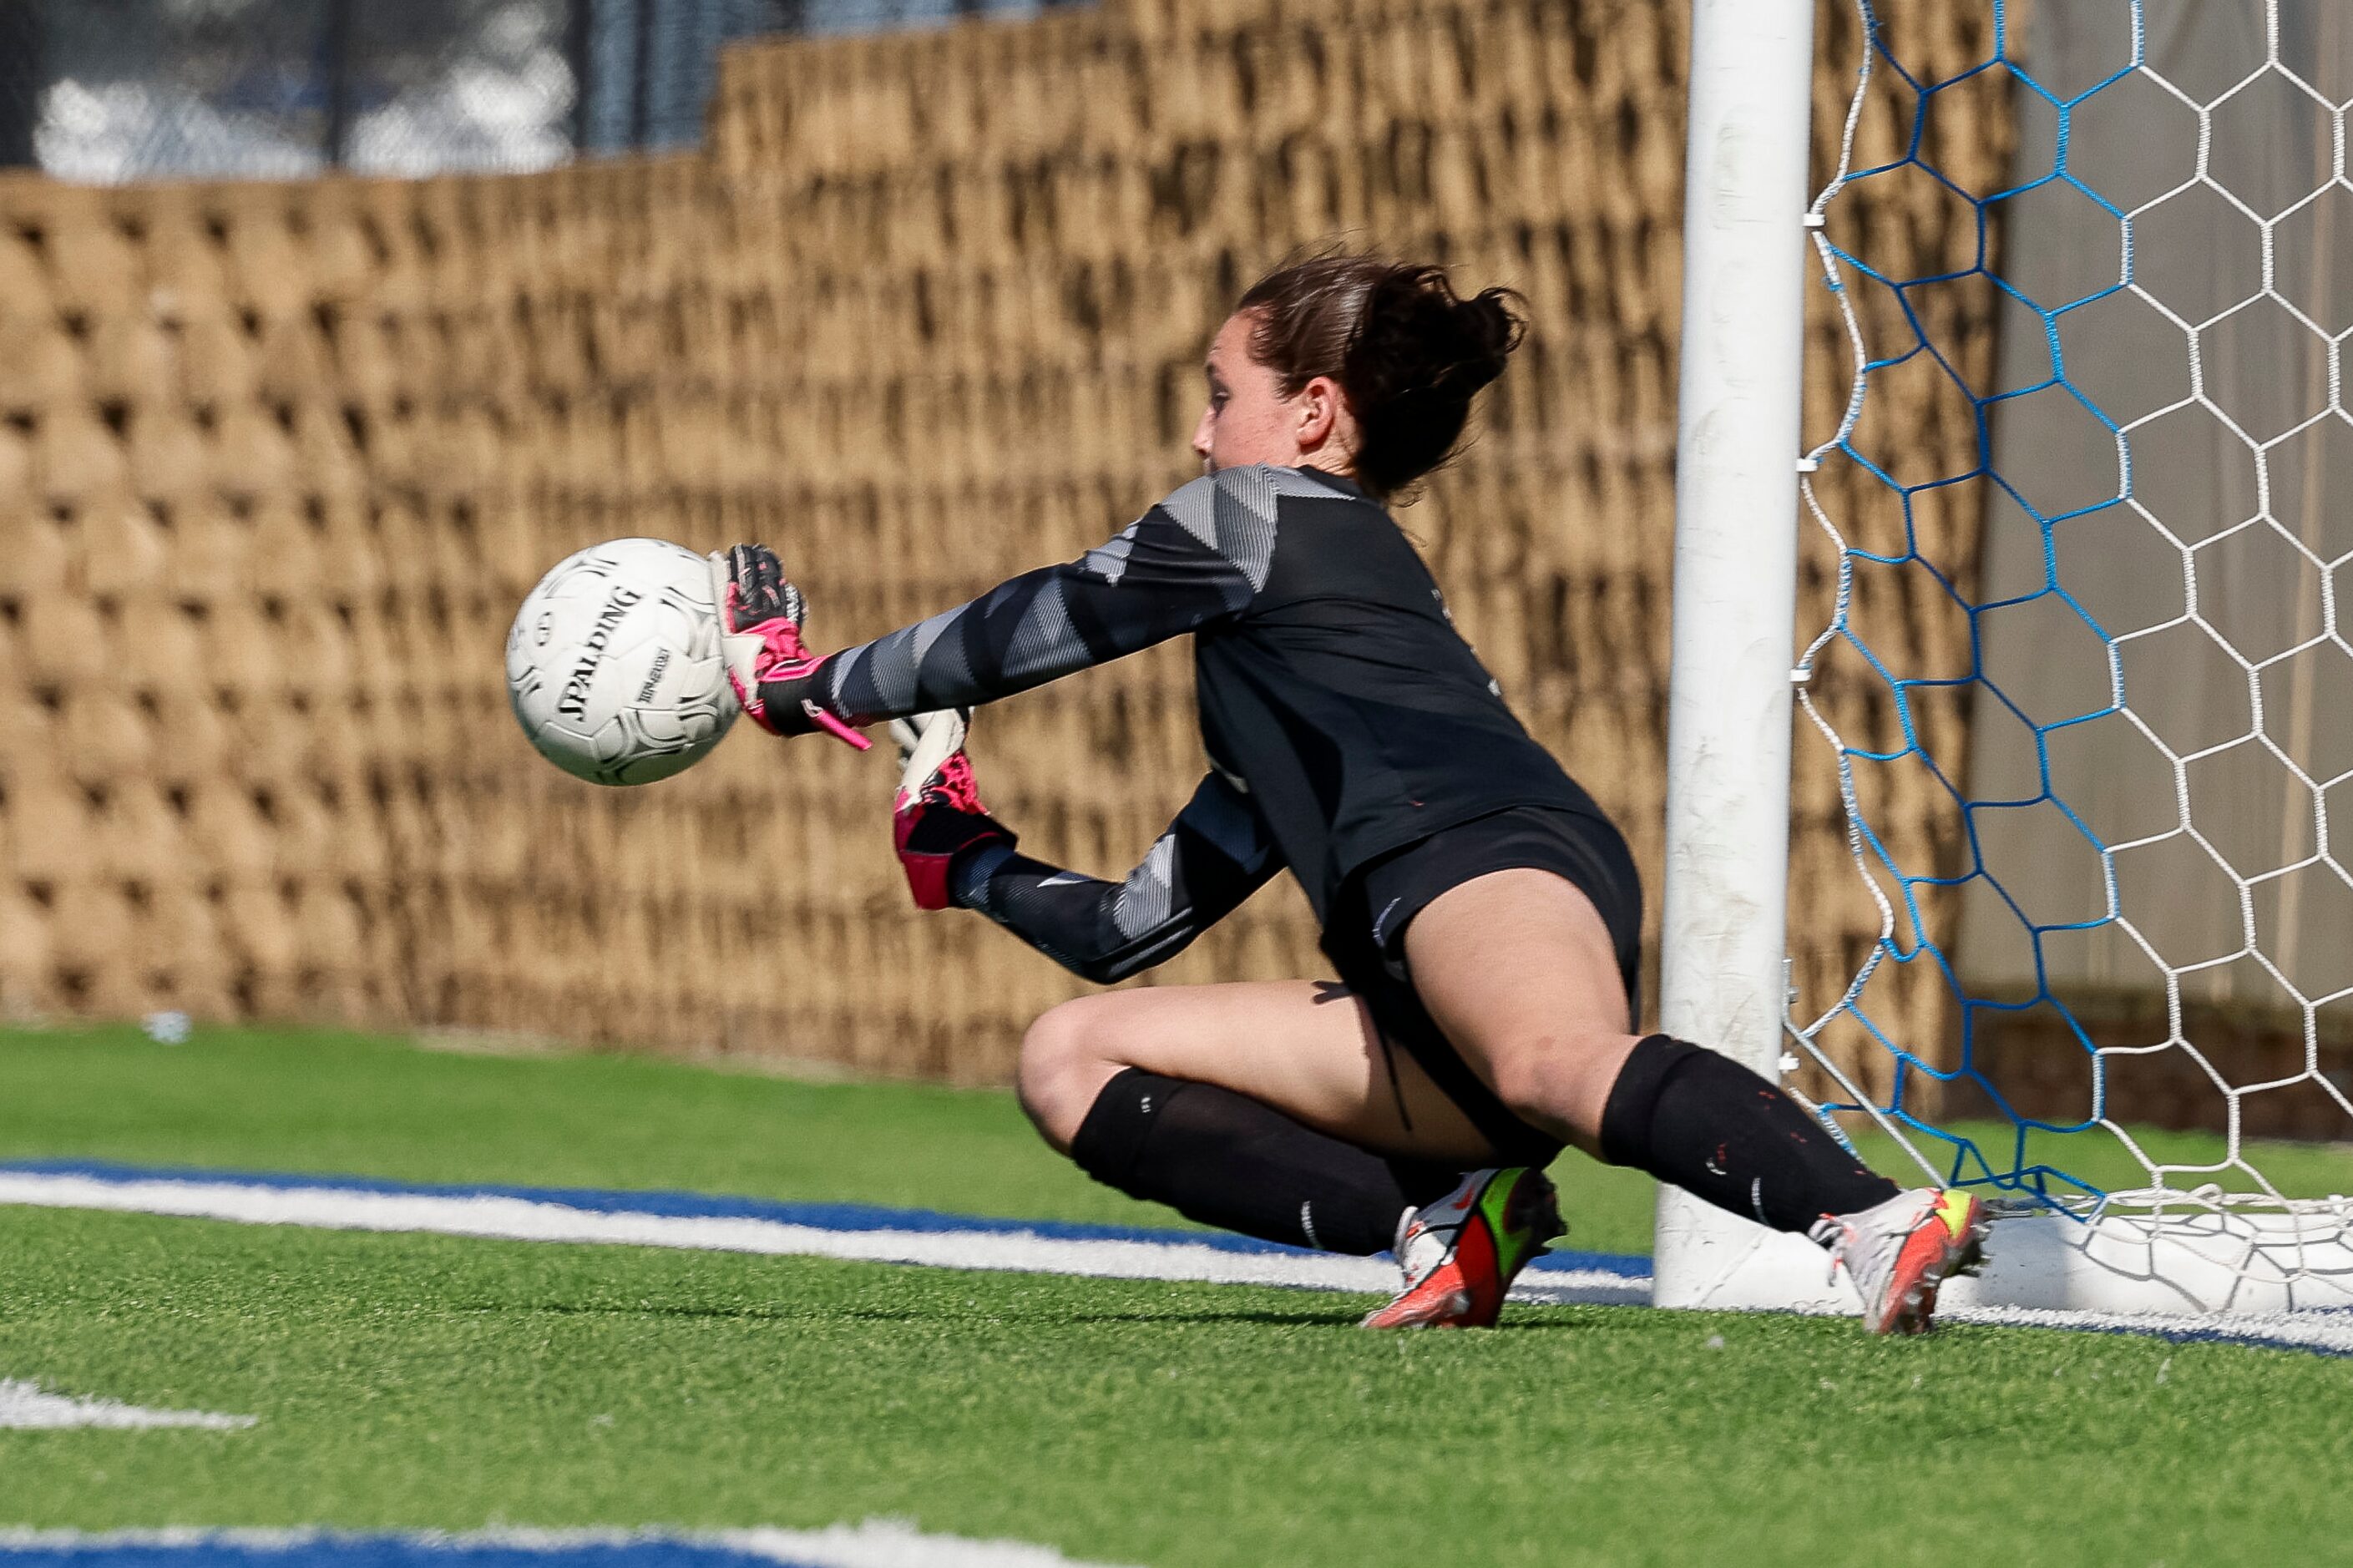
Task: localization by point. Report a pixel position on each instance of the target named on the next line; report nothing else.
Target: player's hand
(760, 615)
(937, 814)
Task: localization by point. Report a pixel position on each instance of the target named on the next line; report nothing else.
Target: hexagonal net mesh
(2101, 649)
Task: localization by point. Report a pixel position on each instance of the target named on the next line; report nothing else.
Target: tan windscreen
(277, 462)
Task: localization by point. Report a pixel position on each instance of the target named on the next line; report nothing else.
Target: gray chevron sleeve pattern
(1198, 556)
(1214, 855)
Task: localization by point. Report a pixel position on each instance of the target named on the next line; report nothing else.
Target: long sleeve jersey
(1343, 714)
(1215, 854)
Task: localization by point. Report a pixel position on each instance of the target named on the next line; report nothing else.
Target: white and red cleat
(1461, 1253)
(1898, 1253)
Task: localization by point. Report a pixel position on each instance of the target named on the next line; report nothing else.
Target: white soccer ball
(614, 665)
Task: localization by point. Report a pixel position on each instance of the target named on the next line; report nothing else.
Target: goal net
(2103, 651)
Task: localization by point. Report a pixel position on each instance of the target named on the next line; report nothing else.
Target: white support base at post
(2190, 1262)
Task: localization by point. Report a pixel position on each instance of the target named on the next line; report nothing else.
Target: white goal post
(1736, 572)
(2183, 1236)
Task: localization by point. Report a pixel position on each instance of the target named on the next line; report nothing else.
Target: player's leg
(1308, 1048)
(1518, 969)
(1269, 1109)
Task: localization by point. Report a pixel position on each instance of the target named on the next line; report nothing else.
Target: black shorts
(1366, 937)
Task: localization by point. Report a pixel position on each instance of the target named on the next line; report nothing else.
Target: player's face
(1248, 420)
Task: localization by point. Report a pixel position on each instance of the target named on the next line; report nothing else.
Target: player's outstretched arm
(1215, 854)
(760, 616)
(1199, 555)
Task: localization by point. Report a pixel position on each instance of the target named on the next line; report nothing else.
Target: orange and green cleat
(1897, 1253)
(1461, 1253)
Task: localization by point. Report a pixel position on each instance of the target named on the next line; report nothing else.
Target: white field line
(876, 1543)
(24, 1406)
(523, 1219)
(2328, 1329)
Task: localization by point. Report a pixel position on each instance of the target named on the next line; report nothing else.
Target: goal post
(1735, 592)
(2094, 642)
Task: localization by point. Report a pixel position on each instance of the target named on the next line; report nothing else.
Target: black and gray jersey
(1337, 699)
(1215, 854)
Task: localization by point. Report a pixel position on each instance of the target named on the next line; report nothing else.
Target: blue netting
(2118, 625)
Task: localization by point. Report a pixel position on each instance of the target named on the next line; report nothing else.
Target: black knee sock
(1227, 1160)
(1716, 1129)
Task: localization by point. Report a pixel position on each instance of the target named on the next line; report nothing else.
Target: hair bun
(1491, 330)
(1420, 355)
(1409, 352)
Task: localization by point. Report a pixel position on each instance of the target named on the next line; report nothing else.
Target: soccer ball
(614, 665)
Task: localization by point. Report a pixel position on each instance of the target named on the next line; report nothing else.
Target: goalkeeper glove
(937, 814)
(760, 615)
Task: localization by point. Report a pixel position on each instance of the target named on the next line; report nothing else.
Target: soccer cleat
(1897, 1253)
(1461, 1253)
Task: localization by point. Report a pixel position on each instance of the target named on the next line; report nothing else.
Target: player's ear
(1319, 404)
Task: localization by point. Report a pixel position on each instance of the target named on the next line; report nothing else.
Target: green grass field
(425, 1381)
(324, 1101)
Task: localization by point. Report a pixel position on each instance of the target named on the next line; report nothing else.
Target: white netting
(2155, 922)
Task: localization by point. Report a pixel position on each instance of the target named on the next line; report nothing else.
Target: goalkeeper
(1481, 912)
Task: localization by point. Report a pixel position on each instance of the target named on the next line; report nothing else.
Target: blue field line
(2324, 1332)
(715, 1206)
(2253, 1339)
(866, 1545)
(355, 1551)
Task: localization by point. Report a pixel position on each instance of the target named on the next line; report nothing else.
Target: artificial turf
(406, 1380)
(328, 1101)
(419, 1381)
(323, 1101)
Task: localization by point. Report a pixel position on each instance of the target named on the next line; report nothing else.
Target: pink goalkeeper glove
(937, 814)
(760, 615)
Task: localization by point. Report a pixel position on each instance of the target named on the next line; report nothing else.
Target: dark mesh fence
(128, 89)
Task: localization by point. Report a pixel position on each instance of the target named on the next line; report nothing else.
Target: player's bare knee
(1063, 1067)
(1528, 1084)
(1552, 1080)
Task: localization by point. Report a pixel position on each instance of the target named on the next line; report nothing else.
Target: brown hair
(1406, 350)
